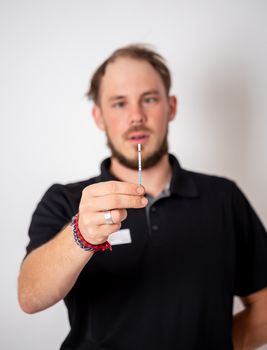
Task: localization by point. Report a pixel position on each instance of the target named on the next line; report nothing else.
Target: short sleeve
(52, 213)
(251, 247)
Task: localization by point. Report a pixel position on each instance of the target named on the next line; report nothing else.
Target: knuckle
(124, 214)
(85, 204)
(136, 201)
(113, 186)
(85, 191)
(114, 201)
(82, 206)
(116, 217)
(121, 215)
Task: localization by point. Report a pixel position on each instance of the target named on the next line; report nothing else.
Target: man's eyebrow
(117, 97)
(121, 97)
(151, 92)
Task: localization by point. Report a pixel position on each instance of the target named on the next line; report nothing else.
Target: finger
(98, 218)
(101, 233)
(117, 215)
(117, 201)
(114, 187)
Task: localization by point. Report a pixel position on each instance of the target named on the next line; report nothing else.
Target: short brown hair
(139, 52)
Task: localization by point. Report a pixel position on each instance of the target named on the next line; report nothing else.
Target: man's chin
(127, 162)
(148, 161)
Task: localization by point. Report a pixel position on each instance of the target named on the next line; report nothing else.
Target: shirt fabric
(196, 246)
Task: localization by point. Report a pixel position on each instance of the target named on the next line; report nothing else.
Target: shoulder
(213, 183)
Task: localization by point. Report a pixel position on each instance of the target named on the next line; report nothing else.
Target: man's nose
(137, 115)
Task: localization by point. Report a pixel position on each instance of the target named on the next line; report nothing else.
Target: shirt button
(153, 209)
(155, 227)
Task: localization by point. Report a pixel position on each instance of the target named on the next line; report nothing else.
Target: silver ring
(108, 217)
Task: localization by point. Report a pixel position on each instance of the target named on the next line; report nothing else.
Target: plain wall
(217, 54)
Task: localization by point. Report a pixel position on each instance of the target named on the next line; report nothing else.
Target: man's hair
(136, 51)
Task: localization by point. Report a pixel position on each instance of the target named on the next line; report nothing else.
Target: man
(183, 245)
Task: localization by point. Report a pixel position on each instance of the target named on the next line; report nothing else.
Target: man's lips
(138, 137)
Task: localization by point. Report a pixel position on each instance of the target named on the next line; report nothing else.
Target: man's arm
(250, 325)
(49, 272)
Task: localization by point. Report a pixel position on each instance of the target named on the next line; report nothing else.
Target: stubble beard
(147, 162)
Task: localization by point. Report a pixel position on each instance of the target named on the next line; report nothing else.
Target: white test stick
(139, 164)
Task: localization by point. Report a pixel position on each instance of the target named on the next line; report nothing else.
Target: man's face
(134, 108)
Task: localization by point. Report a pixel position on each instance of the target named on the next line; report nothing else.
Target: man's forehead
(126, 72)
(129, 64)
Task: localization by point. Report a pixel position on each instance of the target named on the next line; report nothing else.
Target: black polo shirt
(173, 286)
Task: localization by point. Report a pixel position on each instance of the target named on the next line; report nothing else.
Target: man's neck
(154, 179)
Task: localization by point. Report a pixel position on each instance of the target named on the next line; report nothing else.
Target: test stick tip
(139, 147)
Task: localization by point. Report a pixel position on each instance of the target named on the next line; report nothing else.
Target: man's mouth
(138, 137)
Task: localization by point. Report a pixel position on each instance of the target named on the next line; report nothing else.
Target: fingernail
(144, 201)
(140, 189)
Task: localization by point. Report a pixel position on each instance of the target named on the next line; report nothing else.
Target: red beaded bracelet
(80, 240)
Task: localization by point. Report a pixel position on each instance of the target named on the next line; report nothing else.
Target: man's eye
(150, 99)
(119, 104)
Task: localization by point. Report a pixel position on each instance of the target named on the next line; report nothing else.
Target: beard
(147, 162)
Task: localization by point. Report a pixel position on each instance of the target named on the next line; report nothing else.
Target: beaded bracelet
(82, 243)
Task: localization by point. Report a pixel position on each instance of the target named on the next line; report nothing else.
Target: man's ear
(172, 107)
(98, 118)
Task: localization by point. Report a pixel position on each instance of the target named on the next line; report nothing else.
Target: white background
(217, 53)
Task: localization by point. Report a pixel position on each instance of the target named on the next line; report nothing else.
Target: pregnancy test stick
(139, 164)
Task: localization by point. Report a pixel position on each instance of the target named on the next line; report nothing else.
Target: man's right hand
(49, 272)
(114, 196)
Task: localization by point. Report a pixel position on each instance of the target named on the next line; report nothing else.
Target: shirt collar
(182, 182)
